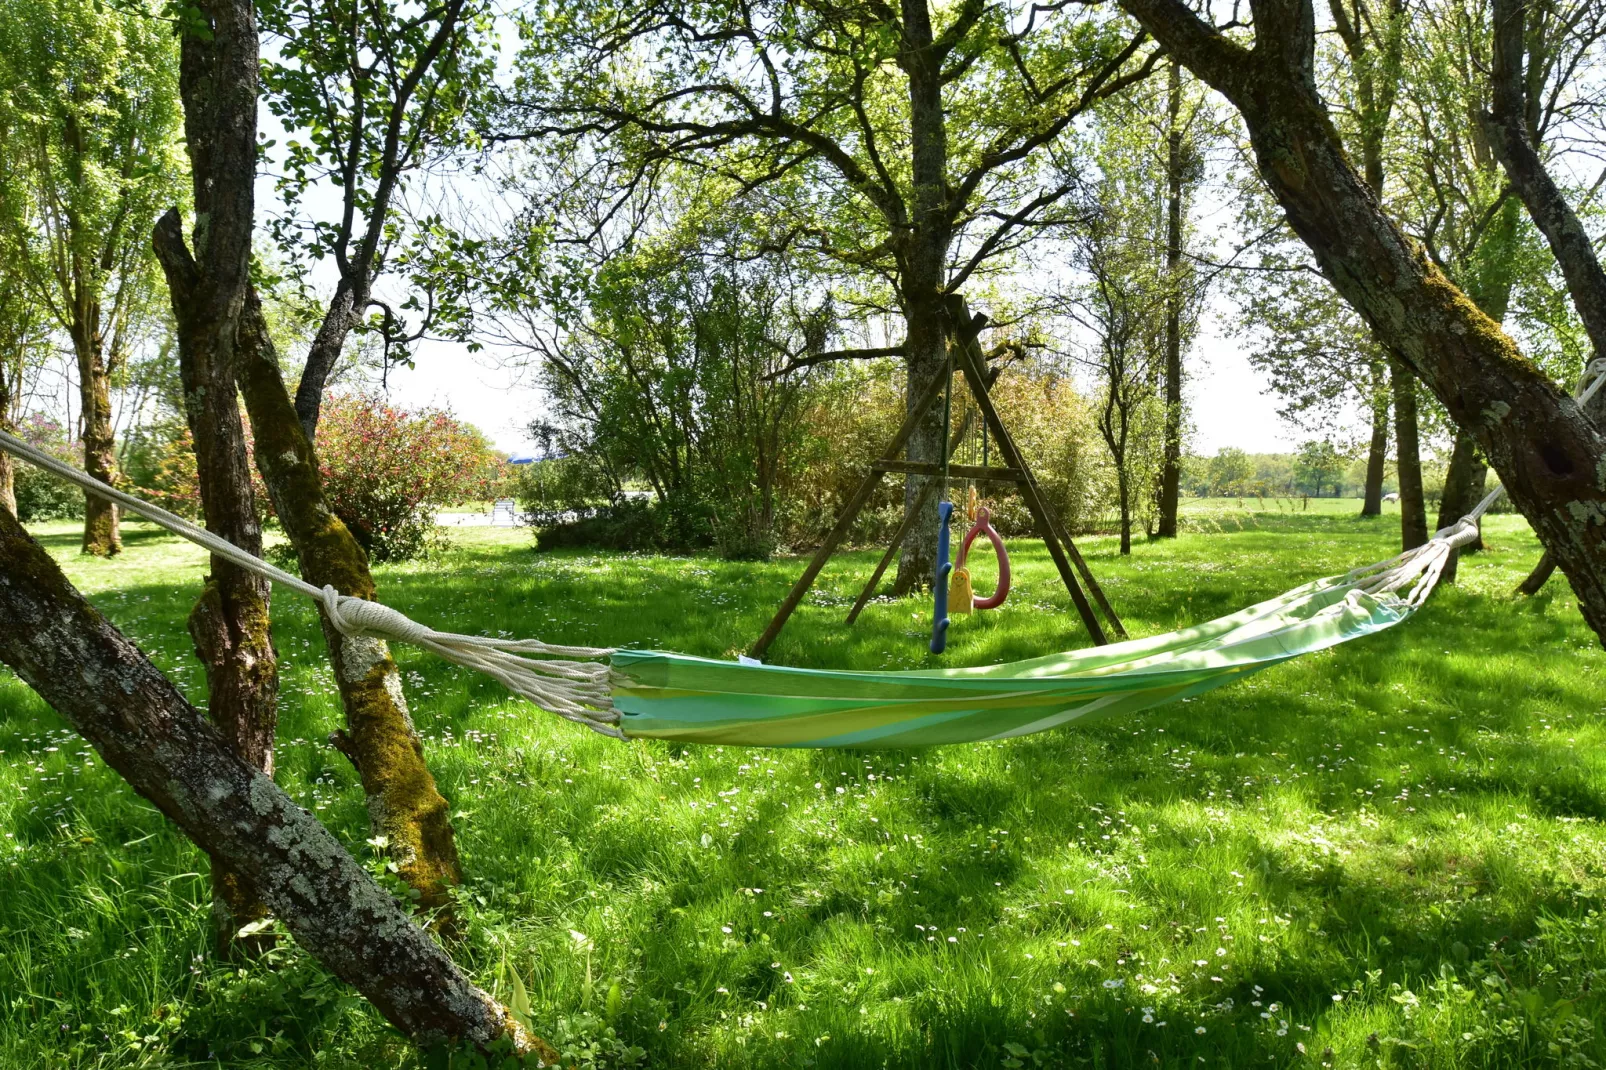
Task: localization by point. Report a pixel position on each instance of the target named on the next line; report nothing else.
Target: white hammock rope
(1426, 563)
(574, 686)
(574, 681)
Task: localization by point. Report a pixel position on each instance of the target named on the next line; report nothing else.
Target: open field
(1390, 853)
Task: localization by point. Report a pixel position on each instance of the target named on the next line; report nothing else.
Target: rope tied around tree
(543, 673)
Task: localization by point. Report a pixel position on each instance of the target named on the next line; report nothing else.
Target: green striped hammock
(635, 694)
(673, 696)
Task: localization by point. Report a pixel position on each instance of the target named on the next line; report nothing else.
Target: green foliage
(1318, 464)
(1229, 473)
(370, 97)
(89, 124)
(1412, 822)
(386, 471)
(672, 370)
(561, 489)
(41, 496)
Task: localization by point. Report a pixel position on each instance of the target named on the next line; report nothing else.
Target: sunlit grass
(1392, 850)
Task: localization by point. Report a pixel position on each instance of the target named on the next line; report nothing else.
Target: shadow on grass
(1412, 807)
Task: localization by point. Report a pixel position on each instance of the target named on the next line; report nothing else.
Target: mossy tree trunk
(404, 805)
(143, 728)
(8, 472)
(1547, 453)
(102, 536)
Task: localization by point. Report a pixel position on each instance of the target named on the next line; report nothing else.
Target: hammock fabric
(673, 696)
(645, 694)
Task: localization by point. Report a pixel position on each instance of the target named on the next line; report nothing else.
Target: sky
(1227, 398)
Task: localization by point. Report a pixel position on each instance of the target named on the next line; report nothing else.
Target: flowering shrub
(40, 495)
(160, 466)
(387, 470)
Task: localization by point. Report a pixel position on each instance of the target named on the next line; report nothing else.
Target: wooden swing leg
(1087, 573)
(970, 363)
(850, 513)
(921, 501)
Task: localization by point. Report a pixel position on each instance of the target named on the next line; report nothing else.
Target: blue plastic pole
(939, 620)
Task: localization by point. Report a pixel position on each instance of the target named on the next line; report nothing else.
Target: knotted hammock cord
(575, 687)
(574, 682)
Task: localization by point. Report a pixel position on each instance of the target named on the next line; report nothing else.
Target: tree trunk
(1171, 462)
(101, 535)
(1511, 137)
(143, 728)
(230, 621)
(1546, 452)
(927, 360)
(922, 263)
(1463, 488)
(8, 485)
(404, 805)
(229, 624)
(322, 356)
(1408, 458)
(1124, 495)
(8, 476)
(1377, 453)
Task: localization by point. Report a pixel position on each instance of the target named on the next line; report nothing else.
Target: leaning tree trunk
(1408, 458)
(101, 535)
(1546, 452)
(404, 805)
(1377, 453)
(1510, 136)
(140, 724)
(229, 624)
(322, 356)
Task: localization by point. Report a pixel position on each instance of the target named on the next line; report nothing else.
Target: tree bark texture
(8, 472)
(1377, 454)
(323, 354)
(142, 727)
(1408, 457)
(404, 805)
(1509, 128)
(1463, 488)
(922, 256)
(207, 289)
(101, 535)
(1171, 461)
(1546, 452)
(230, 621)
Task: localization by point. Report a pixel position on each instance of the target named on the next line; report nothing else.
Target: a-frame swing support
(964, 331)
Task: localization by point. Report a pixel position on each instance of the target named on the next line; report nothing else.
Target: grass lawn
(1390, 853)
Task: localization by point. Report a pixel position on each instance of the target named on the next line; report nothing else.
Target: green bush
(41, 496)
(632, 524)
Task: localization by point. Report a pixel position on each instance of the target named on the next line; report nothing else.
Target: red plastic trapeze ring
(982, 526)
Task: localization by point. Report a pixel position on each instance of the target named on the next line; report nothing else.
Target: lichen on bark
(404, 804)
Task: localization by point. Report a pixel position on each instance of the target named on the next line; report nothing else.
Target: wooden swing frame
(964, 330)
